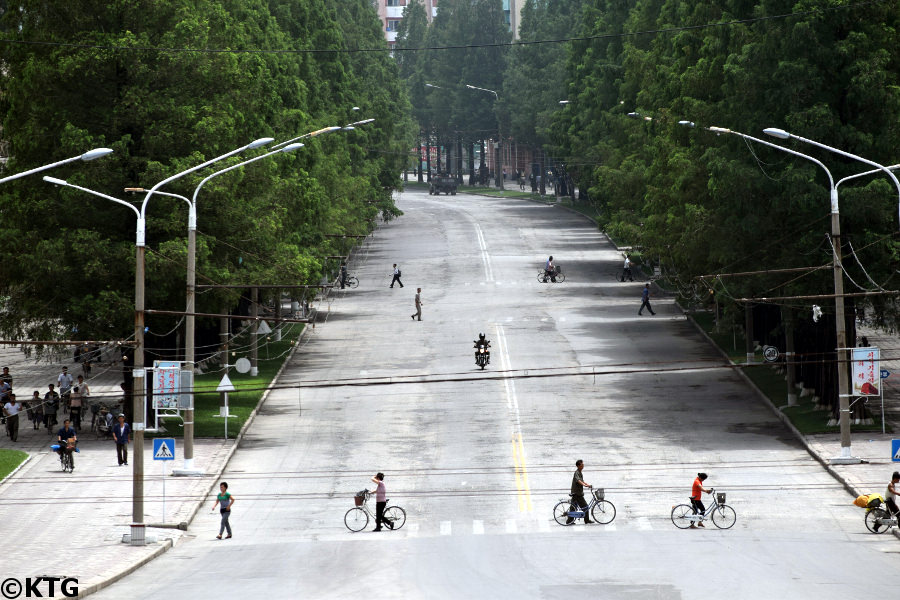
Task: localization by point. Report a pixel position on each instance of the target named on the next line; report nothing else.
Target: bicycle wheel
(356, 519)
(561, 512)
(352, 282)
(872, 519)
(724, 516)
(603, 512)
(681, 516)
(396, 516)
(62, 463)
(542, 277)
(560, 277)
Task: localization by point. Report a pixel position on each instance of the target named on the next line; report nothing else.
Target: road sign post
(895, 450)
(163, 450)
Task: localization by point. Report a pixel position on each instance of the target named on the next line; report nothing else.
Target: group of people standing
(69, 393)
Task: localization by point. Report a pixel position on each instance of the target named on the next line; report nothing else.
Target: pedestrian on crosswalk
(11, 411)
(380, 502)
(224, 500)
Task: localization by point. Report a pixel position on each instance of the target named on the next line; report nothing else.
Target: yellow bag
(861, 501)
(869, 501)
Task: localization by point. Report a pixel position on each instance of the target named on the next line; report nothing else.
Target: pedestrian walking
(11, 411)
(380, 502)
(418, 312)
(64, 382)
(343, 274)
(51, 405)
(37, 410)
(626, 270)
(224, 500)
(577, 492)
(396, 278)
(122, 435)
(645, 300)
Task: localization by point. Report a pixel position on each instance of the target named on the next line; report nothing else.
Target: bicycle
(601, 510)
(351, 282)
(357, 518)
(723, 516)
(558, 275)
(879, 517)
(66, 461)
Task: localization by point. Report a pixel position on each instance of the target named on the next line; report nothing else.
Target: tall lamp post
(89, 155)
(189, 319)
(497, 151)
(843, 381)
(837, 268)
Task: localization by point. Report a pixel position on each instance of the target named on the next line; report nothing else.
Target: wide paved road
(479, 461)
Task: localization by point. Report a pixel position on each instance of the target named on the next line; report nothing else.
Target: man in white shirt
(64, 382)
(11, 411)
(626, 270)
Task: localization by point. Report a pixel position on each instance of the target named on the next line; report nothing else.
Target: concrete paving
(479, 459)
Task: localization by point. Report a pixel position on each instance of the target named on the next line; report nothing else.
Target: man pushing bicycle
(578, 501)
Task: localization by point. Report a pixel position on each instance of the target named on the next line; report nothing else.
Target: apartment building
(391, 13)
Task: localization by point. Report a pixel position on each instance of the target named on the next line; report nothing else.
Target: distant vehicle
(443, 182)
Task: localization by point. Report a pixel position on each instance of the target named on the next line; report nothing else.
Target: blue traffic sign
(895, 450)
(164, 449)
(885, 373)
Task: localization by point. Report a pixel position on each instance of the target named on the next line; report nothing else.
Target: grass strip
(9, 460)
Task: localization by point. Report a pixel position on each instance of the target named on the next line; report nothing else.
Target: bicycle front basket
(720, 497)
(598, 494)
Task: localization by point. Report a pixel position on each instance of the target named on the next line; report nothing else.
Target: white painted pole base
(846, 458)
(188, 470)
(254, 371)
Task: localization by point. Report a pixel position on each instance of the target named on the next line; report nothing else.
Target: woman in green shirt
(225, 501)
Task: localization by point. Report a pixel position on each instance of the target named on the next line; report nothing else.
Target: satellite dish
(242, 365)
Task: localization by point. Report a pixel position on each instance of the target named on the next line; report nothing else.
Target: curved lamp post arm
(784, 135)
(251, 145)
(864, 174)
(288, 148)
(139, 234)
(89, 155)
(308, 135)
(192, 212)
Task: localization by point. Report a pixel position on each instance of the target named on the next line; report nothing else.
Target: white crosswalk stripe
(478, 527)
(446, 528)
(511, 526)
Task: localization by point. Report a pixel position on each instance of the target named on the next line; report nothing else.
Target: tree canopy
(169, 84)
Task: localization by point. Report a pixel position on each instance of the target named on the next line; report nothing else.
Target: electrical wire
(378, 50)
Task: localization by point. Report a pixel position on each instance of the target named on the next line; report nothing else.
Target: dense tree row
(168, 84)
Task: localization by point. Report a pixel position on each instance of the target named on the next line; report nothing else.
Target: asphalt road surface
(478, 459)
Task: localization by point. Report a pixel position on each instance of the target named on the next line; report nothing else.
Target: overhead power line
(588, 38)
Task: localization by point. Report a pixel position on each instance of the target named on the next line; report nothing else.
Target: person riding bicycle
(626, 269)
(549, 271)
(481, 341)
(65, 435)
(891, 497)
(578, 501)
(696, 493)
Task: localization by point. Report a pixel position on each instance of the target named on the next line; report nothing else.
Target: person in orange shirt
(696, 493)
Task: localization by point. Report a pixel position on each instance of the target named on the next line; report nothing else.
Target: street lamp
(840, 326)
(309, 135)
(843, 382)
(189, 319)
(497, 150)
(89, 155)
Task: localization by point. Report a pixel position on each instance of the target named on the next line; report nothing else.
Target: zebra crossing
(516, 526)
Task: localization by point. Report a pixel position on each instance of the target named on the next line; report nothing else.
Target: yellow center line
(517, 442)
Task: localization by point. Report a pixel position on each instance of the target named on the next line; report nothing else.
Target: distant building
(391, 13)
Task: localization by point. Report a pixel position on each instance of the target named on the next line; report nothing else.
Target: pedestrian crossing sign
(164, 449)
(895, 450)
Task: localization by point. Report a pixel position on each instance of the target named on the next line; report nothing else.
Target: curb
(167, 543)
(845, 483)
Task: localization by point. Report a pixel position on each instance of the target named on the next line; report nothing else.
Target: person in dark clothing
(63, 436)
(645, 300)
(578, 501)
(122, 434)
(343, 274)
(396, 278)
(380, 502)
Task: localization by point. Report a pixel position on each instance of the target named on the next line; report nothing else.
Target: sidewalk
(71, 524)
